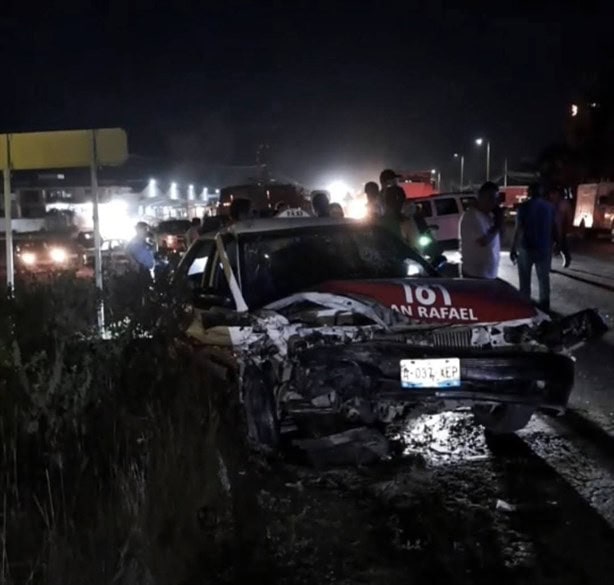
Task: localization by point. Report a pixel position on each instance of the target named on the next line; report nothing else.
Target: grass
(121, 461)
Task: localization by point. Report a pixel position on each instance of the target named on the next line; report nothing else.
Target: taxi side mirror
(207, 298)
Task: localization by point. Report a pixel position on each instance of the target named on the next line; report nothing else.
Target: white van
(444, 211)
(595, 208)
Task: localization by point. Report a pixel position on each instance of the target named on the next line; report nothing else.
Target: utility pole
(479, 142)
(505, 173)
(8, 223)
(97, 237)
(462, 170)
(488, 160)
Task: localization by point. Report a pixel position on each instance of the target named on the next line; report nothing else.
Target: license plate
(430, 373)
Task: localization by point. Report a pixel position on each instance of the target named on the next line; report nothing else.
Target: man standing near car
(193, 233)
(534, 239)
(480, 235)
(374, 200)
(388, 178)
(141, 251)
(320, 204)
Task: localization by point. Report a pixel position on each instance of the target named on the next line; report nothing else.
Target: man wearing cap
(388, 178)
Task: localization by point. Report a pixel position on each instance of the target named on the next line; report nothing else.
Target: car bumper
(541, 380)
(372, 371)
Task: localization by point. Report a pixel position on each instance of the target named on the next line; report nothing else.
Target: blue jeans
(542, 261)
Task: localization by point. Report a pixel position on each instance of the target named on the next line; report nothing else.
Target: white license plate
(431, 373)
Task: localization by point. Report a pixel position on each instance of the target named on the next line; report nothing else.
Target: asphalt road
(535, 508)
(457, 509)
(589, 283)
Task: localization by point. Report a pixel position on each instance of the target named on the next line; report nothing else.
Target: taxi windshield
(278, 264)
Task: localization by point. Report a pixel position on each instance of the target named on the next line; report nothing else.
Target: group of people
(388, 204)
(542, 225)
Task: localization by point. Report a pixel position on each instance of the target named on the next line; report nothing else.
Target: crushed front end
(357, 374)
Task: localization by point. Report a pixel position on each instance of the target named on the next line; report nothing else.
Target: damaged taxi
(340, 321)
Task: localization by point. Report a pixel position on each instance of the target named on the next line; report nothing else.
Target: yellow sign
(64, 149)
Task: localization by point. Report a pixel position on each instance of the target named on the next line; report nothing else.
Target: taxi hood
(439, 300)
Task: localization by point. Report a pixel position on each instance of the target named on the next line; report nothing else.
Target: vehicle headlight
(58, 255)
(28, 258)
(424, 241)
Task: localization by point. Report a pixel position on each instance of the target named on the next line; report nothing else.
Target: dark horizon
(334, 90)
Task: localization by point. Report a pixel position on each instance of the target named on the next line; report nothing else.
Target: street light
(479, 142)
(462, 169)
(436, 178)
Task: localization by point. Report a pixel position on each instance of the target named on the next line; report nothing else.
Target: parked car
(444, 212)
(319, 317)
(113, 251)
(594, 212)
(170, 236)
(44, 256)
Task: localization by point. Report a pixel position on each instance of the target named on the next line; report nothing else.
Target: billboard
(64, 149)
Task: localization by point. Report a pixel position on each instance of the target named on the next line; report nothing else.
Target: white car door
(447, 215)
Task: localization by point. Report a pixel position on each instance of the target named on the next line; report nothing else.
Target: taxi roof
(275, 224)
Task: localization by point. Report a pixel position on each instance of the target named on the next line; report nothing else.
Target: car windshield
(278, 264)
(33, 246)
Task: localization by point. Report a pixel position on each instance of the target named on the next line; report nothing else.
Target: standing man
(480, 235)
(534, 238)
(394, 197)
(141, 251)
(240, 210)
(388, 178)
(320, 204)
(374, 201)
(563, 218)
(192, 234)
(336, 211)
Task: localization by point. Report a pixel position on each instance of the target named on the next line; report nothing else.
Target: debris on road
(504, 506)
(359, 446)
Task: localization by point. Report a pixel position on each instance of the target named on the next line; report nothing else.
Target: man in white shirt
(480, 230)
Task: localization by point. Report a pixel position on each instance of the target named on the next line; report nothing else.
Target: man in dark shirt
(534, 239)
(388, 178)
(140, 250)
(320, 204)
(374, 203)
(392, 218)
(240, 210)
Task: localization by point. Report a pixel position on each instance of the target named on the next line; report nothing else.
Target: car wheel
(260, 409)
(503, 418)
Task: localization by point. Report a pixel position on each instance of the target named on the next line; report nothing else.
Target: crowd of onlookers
(542, 225)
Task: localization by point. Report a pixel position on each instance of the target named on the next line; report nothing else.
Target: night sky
(338, 90)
